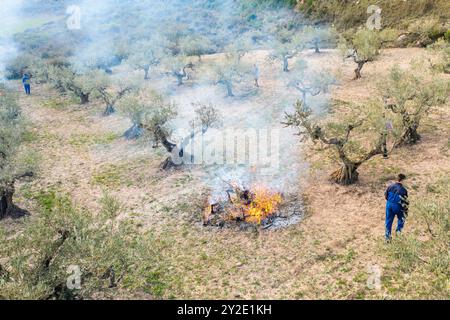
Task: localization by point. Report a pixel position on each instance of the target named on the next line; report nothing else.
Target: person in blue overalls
(26, 80)
(397, 205)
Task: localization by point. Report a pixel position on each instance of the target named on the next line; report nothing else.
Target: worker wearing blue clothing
(397, 205)
(26, 80)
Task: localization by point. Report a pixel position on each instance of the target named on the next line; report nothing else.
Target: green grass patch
(58, 103)
(87, 140)
(440, 186)
(184, 180)
(29, 136)
(127, 173)
(109, 175)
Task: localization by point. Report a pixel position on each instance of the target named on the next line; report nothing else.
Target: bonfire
(256, 205)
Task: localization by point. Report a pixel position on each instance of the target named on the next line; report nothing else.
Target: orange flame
(258, 205)
(264, 203)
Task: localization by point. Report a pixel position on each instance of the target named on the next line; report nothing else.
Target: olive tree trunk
(109, 110)
(84, 98)
(229, 87)
(179, 79)
(346, 175)
(134, 132)
(316, 46)
(410, 135)
(6, 202)
(358, 70)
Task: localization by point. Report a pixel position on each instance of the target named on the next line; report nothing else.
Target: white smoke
(245, 113)
(10, 20)
(102, 22)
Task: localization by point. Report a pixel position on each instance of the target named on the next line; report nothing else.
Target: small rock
(402, 38)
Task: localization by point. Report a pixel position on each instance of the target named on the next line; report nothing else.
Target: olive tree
(147, 110)
(176, 67)
(147, 54)
(364, 47)
(441, 56)
(287, 46)
(14, 164)
(206, 116)
(228, 72)
(316, 36)
(43, 71)
(410, 94)
(80, 85)
(241, 46)
(196, 46)
(109, 253)
(112, 89)
(152, 117)
(56, 75)
(356, 137)
(16, 66)
(310, 82)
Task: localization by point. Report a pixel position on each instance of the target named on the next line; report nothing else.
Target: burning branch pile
(257, 205)
(261, 205)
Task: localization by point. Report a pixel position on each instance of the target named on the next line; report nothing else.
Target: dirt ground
(327, 255)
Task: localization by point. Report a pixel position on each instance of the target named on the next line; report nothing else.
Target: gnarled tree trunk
(358, 69)
(316, 46)
(410, 136)
(6, 201)
(229, 87)
(179, 79)
(109, 110)
(134, 132)
(84, 98)
(170, 147)
(346, 175)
